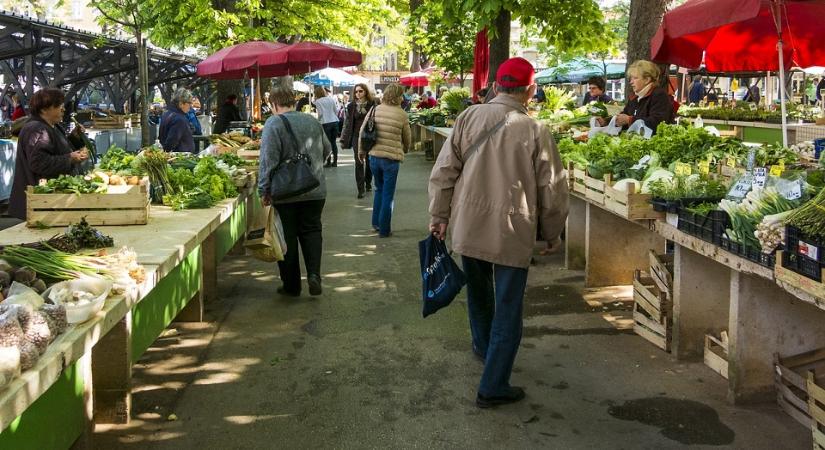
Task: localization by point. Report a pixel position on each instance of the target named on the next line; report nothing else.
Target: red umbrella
(305, 57)
(481, 62)
(743, 35)
(415, 79)
(233, 62)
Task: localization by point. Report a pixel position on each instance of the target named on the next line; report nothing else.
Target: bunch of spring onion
(55, 265)
(746, 215)
(156, 164)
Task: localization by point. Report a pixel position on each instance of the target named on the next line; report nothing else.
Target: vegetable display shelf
(591, 188)
(629, 204)
(85, 374)
(120, 205)
(708, 228)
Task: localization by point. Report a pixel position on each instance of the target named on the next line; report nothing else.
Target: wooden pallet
(716, 353)
(816, 404)
(791, 386)
(121, 205)
(652, 311)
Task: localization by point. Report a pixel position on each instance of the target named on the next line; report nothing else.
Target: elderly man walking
(498, 178)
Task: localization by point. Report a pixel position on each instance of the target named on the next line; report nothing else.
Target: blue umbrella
(333, 77)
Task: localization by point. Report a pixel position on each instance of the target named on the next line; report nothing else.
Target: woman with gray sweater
(393, 140)
(300, 215)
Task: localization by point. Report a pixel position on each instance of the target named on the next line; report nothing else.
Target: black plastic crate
(802, 265)
(666, 206)
(709, 228)
(749, 253)
(794, 235)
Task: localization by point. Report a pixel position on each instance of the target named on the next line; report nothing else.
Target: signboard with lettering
(390, 78)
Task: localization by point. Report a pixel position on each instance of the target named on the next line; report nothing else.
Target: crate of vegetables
(68, 199)
(623, 198)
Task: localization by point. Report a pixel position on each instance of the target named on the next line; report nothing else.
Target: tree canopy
(450, 46)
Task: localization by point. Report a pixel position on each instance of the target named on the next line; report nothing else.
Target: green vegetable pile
(455, 100)
(117, 160)
(232, 159)
(743, 113)
(72, 184)
(201, 187)
(436, 117)
(688, 187)
(745, 216)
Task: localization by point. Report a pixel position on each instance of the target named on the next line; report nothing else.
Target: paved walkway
(358, 368)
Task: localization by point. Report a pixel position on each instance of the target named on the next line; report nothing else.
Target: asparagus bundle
(810, 218)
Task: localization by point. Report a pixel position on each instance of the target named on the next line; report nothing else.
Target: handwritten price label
(760, 177)
(683, 169)
(776, 170)
(704, 167)
(731, 162)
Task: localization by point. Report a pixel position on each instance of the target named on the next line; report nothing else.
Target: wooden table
(85, 375)
(714, 290)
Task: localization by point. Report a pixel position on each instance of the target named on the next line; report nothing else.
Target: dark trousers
(495, 296)
(331, 130)
(363, 173)
(302, 223)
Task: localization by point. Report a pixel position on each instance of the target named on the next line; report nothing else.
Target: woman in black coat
(356, 114)
(43, 149)
(652, 104)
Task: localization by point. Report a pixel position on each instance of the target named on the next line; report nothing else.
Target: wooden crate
(577, 176)
(631, 204)
(249, 154)
(591, 188)
(121, 205)
(661, 270)
(716, 353)
(791, 386)
(798, 281)
(816, 404)
(652, 311)
(109, 122)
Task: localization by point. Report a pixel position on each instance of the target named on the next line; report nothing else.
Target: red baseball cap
(515, 72)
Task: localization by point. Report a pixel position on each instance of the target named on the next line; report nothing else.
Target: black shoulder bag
(370, 134)
(294, 175)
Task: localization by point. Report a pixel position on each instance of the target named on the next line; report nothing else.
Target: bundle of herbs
(118, 160)
(72, 184)
(691, 189)
(154, 162)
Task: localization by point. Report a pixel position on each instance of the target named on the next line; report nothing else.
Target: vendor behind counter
(652, 104)
(44, 151)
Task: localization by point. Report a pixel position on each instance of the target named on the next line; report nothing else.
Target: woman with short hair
(175, 135)
(357, 111)
(327, 108)
(393, 140)
(300, 215)
(44, 151)
(652, 104)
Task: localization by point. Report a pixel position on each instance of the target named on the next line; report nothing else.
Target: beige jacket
(513, 183)
(394, 134)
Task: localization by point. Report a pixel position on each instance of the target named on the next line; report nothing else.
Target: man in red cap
(498, 178)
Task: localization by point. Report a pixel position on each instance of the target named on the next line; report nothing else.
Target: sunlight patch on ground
(619, 322)
(369, 246)
(218, 378)
(596, 297)
(337, 275)
(344, 289)
(246, 420)
(347, 255)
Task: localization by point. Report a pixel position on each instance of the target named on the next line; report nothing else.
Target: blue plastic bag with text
(441, 277)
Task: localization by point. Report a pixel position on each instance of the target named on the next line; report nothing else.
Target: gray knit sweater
(276, 144)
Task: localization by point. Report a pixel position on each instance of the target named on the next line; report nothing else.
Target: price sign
(791, 191)
(741, 188)
(782, 164)
(751, 159)
(704, 167)
(776, 170)
(731, 162)
(760, 177)
(682, 169)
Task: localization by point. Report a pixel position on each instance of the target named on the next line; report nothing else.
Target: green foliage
(450, 45)
(455, 100)
(688, 187)
(71, 184)
(117, 160)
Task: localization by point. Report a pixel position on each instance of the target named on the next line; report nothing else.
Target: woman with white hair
(175, 134)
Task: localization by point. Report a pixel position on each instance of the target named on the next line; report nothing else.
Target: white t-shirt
(327, 108)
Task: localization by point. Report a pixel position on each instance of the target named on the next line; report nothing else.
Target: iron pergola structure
(36, 53)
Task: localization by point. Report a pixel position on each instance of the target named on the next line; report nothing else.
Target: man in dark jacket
(175, 135)
(228, 112)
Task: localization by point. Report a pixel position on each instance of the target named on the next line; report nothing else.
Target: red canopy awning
(741, 35)
(230, 63)
(415, 79)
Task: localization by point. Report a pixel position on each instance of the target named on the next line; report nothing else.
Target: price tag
(776, 170)
(741, 188)
(642, 163)
(752, 106)
(731, 162)
(704, 167)
(751, 159)
(760, 177)
(791, 191)
(682, 169)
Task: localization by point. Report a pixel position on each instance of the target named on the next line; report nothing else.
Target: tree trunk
(415, 64)
(500, 44)
(143, 88)
(645, 18)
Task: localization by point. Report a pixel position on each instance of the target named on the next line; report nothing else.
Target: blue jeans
(495, 297)
(385, 174)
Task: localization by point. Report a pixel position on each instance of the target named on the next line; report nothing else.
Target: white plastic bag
(611, 129)
(265, 236)
(640, 127)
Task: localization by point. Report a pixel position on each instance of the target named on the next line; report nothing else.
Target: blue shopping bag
(441, 277)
